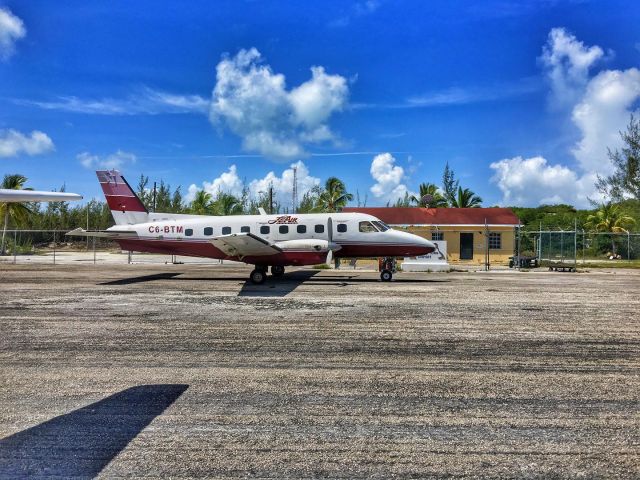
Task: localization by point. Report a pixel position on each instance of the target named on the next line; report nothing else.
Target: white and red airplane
(262, 240)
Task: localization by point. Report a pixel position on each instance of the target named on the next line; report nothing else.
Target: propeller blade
(330, 229)
(329, 257)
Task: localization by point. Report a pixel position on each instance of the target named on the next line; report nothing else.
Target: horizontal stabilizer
(244, 244)
(113, 234)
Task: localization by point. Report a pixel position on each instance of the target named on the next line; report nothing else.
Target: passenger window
(302, 229)
(264, 230)
(188, 232)
(208, 231)
(284, 229)
(245, 229)
(226, 230)
(319, 228)
(367, 227)
(342, 227)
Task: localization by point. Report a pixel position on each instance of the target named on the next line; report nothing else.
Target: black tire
(386, 275)
(258, 276)
(277, 270)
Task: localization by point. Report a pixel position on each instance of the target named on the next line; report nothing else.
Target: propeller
(330, 239)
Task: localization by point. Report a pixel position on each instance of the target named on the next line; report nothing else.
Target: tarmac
(189, 371)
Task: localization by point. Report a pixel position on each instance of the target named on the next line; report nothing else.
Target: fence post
(628, 246)
(129, 258)
(15, 245)
(54, 247)
(94, 250)
(575, 243)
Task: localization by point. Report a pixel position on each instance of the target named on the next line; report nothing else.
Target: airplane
(263, 240)
(13, 196)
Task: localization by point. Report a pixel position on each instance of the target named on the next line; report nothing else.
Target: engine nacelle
(308, 244)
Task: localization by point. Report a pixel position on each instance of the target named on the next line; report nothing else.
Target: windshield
(367, 227)
(383, 227)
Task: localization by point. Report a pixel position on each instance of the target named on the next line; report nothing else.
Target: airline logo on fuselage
(166, 229)
(284, 219)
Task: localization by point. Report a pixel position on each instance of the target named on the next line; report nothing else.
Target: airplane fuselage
(304, 239)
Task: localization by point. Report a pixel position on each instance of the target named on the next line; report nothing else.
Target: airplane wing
(113, 234)
(36, 196)
(244, 244)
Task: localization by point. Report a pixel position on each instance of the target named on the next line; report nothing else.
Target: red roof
(440, 216)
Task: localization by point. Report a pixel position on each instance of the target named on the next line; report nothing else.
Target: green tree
(465, 198)
(450, 185)
(625, 180)
(201, 204)
(310, 201)
(227, 204)
(334, 196)
(610, 218)
(17, 212)
(176, 202)
(144, 193)
(429, 189)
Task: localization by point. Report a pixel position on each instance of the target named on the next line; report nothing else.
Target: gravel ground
(187, 371)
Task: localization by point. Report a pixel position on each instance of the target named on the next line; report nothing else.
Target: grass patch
(322, 266)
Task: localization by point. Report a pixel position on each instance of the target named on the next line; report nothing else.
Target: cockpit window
(383, 227)
(367, 227)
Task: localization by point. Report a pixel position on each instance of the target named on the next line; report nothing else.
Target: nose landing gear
(387, 267)
(258, 276)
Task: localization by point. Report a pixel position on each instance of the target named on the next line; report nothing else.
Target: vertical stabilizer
(126, 207)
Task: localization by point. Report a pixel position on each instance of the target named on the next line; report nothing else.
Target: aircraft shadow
(81, 443)
(144, 278)
(278, 287)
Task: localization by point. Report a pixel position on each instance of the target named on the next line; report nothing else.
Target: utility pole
(154, 197)
(295, 189)
(270, 199)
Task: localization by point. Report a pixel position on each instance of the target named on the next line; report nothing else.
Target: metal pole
(15, 245)
(88, 225)
(270, 200)
(575, 242)
(154, 197)
(54, 247)
(519, 244)
(628, 247)
(129, 258)
(94, 250)
(583, 246)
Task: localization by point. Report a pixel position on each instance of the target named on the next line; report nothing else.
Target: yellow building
(473, 235)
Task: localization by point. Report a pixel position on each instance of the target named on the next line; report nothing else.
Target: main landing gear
(259, 275)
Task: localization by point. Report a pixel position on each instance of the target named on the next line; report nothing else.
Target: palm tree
(433, 191)
(17, 212)
(609, 218)
(227, 204)
(335, 195)
(465, 198)
(201, 204)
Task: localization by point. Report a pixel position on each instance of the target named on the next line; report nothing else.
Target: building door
(466, 246)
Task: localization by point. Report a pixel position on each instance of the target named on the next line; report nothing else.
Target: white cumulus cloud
(11, 30)
(255, 104)
(567, 61)
(388, 177)
(230, 182)
(13, 143)
(113, 161)
(601, 114)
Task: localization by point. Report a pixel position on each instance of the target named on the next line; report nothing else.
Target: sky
(521, 99)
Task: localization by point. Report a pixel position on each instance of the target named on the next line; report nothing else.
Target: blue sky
(520, 98)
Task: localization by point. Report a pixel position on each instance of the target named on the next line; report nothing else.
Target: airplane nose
(418, 245)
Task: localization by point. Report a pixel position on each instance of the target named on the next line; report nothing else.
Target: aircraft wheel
(277, 270)
(386, 275)
(258, 277)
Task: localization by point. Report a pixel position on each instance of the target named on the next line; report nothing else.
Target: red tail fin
(125, 205)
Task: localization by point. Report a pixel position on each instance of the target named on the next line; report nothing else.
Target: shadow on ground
(81, 443)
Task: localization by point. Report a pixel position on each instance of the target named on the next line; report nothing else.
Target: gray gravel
(187, 371)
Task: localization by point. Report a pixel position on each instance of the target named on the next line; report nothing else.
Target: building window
(245, 229)
(188, 232)
(226, 230)
(264, 230)
(208, 231)
(302, 228)
(495, 240)
(284, 229)
(437, 236)
(342, 227)
(319, 228)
